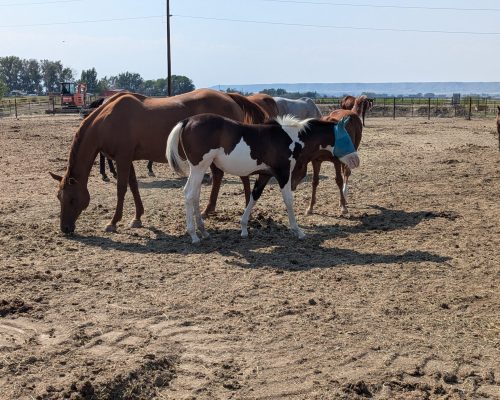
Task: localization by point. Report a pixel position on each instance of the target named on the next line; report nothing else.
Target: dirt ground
(398, 301)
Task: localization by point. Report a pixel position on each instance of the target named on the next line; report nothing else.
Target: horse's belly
(239, 162)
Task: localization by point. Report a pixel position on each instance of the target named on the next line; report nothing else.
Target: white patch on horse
(293, 126)
(239, 161)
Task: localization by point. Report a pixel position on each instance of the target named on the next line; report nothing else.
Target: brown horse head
(74, 198)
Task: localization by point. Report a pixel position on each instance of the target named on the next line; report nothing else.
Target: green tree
(89, 77)
(131, 81)
(3, 89)
(10, 71)
(53, 72)
(31, 77)
(181, 84)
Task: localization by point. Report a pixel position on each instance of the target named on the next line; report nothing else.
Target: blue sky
(212, 52)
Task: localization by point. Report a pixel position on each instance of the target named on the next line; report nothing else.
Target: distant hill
(392, 89)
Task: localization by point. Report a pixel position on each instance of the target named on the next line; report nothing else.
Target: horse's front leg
(316, 164)
(259, 186)
(287, 194)
(340, 183)
(217, 175)
(139, 208)
(123, 168)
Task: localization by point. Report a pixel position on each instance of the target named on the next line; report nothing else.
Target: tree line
(32, 76)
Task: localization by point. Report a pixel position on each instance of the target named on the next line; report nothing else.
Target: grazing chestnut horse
(134, 127)
(266, 102)
(348, 102)
(279, 148)
(301, 108)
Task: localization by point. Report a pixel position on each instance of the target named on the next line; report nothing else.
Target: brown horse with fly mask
(134, 127)
(354, 128)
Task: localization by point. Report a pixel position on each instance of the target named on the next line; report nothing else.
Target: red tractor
(73, 98)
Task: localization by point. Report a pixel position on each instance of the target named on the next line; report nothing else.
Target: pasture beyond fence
(395, 107)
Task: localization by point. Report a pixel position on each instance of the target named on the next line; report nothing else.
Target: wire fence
(395, 107)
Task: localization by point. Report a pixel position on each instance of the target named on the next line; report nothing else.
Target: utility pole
(169, 66)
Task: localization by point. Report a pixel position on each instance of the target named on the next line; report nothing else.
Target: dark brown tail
(254, 114)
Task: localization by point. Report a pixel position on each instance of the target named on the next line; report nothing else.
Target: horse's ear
(56, 177)
(72, 181)
(498, 109)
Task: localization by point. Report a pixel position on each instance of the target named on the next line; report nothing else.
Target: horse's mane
(254, 114)
(77, 139)
(294, 122)
(358, 104)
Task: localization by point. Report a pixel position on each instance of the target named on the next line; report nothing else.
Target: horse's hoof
(105, 178)
(344, 211)
(195, 241)
(244, 235)
(300, 235)
(115, 175)
(136, 223)
(110, 228)
(309, 211)
(151, 173)
(205, 235)
(206, 214)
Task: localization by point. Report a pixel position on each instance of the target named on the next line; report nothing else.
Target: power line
(327, 3)
(39, 3)
(258, 22)
(338, 26)
(83, 22)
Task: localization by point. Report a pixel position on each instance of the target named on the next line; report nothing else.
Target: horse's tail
(174, 159)
(254, 114)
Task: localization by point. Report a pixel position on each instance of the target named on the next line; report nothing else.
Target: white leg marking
(189, 204)
(287, 194)
(246, 216)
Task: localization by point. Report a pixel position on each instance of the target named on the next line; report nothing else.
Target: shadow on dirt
(272, 245)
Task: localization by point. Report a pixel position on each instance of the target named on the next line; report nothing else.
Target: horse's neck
(83, 152)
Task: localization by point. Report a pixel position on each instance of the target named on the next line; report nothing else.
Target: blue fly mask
(344, 149)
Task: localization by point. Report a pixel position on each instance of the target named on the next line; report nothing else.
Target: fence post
(383, 114)
(10, 108)
(470, 108)
(412, 106)
(485, 106)
(429, 109)
(15, 106)
(394, 108)
(53, 105)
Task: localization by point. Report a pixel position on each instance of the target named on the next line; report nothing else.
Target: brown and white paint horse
(279, 148)
(134, 127)
(363, 104)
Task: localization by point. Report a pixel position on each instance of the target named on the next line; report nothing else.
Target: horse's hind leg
(123, 168)
(316, 164)
(259, 186)
(193, 185)
(346, 173)
(139, 208)
(111, 167)
(150, 169)
(102, 167)
(197, 213)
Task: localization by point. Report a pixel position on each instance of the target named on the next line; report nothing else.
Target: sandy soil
(398, 301)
